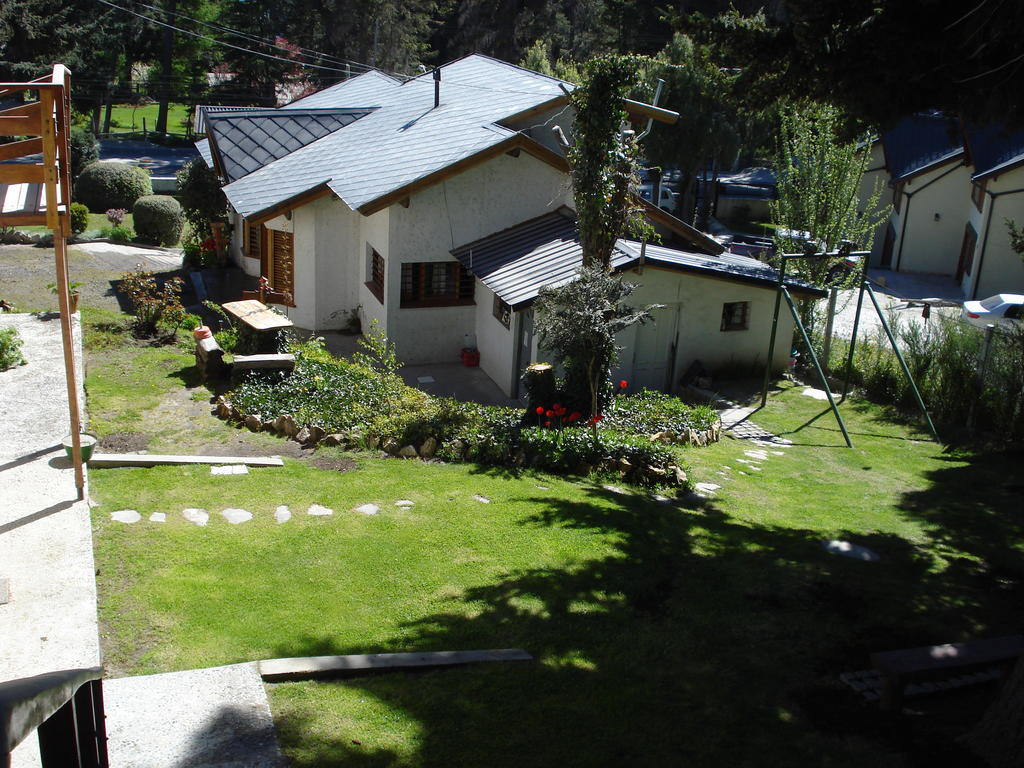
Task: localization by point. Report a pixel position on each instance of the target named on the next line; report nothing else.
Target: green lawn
(705, 634)
(125, 118)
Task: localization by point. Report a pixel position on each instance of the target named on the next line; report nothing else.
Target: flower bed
(337, 402)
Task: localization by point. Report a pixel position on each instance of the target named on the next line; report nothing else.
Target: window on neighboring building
(436, 284)
(503, 312)
(376, 270)
(252, 244)
(735, 315)
(978, 194)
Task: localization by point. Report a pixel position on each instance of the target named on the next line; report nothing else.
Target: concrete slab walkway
(49, 620)
(201, 718)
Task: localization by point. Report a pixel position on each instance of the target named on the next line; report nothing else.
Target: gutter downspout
(984, 239)
(906, 213)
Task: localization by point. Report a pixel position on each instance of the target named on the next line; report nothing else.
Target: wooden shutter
(282, 266)
(253, 245)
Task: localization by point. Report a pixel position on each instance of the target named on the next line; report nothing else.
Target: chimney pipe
(437, 88)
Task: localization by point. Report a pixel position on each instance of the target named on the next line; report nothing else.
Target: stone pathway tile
(481, 499)
(318, 510)
(128, 516)
(615, 489)
(543, 487)
(282, 514)
(236, 516)
(405, 503)
(756, 454)
(367, 509)
(196, 516)
(846, 549)
(229, 469)
(704, 490)
(158, 517)
(817, 394)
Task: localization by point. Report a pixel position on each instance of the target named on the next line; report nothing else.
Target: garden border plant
(364, 404)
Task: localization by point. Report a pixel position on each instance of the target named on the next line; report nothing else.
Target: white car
(1005, 309)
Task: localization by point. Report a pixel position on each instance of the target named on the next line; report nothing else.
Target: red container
(202, 332)
(470, 357)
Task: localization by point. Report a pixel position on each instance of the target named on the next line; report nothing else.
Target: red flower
(540, 409)
(549, 414)
(556, 406)
(547, 423)
(574, 415)
(623, 384)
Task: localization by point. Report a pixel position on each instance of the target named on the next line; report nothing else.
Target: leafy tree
(578, 323)
(201, 197)
(1016, 237)
(818, 179)
(880, 60)
(602, 159)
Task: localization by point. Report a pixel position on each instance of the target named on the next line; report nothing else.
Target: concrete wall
(495, 195)
(997, 267)
(497, 344)
(930, 225)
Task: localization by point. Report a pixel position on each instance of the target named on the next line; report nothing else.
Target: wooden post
(826, 352)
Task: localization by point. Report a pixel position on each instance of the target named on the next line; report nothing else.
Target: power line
(221, 42)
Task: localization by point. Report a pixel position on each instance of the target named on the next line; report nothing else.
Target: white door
(654, 352)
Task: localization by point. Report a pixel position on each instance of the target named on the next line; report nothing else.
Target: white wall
(692, 318)
(249, 265)
(876, 177)
(997, 267)
(496, 343)
(374, 233)
(925, 243)
(487, 198)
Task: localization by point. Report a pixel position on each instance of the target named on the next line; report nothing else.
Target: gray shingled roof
(246, 141)
(517, 262)
(404, 140)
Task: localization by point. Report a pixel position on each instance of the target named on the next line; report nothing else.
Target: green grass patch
(126, 118)
(707, 634)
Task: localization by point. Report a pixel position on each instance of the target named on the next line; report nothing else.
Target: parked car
(1003, 309)
(668, 197)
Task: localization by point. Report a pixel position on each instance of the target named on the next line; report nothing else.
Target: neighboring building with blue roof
(953, 187)
(358, 199)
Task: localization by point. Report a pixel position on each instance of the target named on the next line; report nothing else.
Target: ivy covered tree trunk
(603, 158)
(999, 737)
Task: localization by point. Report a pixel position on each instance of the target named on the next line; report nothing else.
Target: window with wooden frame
(502, 311)
(281, 265)
(252, 239)
(375, 271)
(978, 193)
(436, 284)
(735, 316)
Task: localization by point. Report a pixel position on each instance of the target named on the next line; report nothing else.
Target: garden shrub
(158, 219)
(116, 216)
(103, 185)
(648, 412)
(153, 305)
(84, 150)
(202, 198)
(79, 218)
(118, 234)
(10, 349)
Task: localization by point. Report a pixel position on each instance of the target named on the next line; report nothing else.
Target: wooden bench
(256, 362)
(899, 667)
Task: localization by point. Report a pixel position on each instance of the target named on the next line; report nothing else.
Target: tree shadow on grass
(703, 640)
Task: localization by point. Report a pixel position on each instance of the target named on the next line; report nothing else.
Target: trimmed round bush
(104, 185)
(158, 219)
(79, 218)
(84, 150)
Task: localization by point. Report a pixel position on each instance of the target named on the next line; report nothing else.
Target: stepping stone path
(158, 517)
(542, 487)
(854, 551)
(615, 489)
(229, 469)
(196, 516)
(236, 516)
(282, 514)
(319, 511)
(756, 454)
(481, 499)
(367, 509)
(128, 516)
(405, 503)
(706, 489)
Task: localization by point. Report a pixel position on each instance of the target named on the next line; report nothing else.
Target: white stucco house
(952, 190)
(379, 196)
